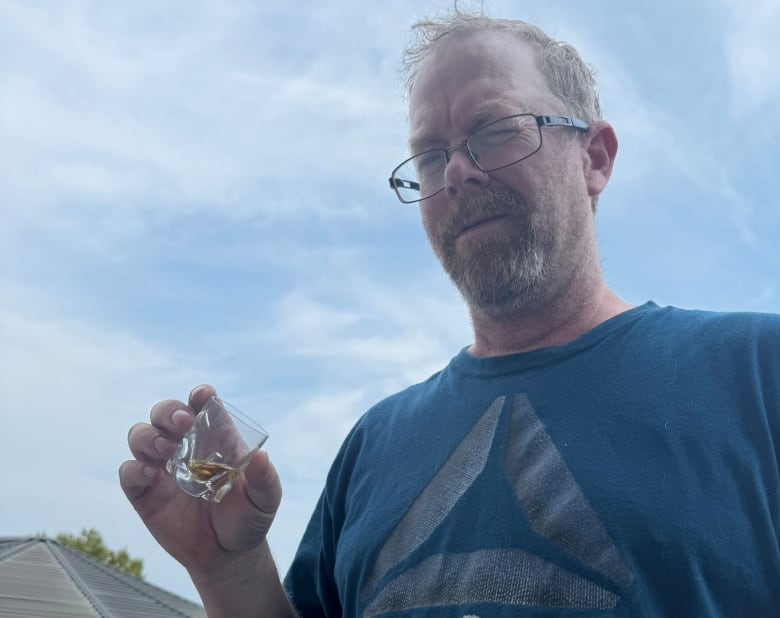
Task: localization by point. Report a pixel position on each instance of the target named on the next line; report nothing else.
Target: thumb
(262, 486)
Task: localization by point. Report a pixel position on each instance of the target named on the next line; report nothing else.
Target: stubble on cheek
(499, 271)
(462, 213)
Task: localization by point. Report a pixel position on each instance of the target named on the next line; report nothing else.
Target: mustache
(467, 211)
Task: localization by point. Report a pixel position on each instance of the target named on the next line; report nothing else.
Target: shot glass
(215, 451)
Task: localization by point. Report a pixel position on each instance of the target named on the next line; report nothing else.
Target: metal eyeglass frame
(545, 120)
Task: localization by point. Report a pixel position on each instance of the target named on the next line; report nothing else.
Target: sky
(197, 193)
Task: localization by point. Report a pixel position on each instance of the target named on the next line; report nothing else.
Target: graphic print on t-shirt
(554, 506)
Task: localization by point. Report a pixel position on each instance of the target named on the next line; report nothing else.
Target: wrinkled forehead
(466, 71)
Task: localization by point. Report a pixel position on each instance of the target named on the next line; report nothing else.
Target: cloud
(108, 106)
(62, 373)
(751, 47)
(307, 435)
(659, 142)
(373, 326)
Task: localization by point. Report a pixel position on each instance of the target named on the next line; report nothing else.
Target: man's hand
(213, 541)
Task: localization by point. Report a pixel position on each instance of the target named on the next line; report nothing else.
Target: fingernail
(162, 446)
(196, 390)
(179, 416)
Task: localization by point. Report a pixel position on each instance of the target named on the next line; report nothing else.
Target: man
(581, 457)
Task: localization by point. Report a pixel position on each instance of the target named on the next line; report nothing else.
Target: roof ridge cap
(55, 547)
(146, 589)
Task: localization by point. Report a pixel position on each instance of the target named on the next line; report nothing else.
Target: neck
(557, 322)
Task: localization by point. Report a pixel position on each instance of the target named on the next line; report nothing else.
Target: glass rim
(238, 415)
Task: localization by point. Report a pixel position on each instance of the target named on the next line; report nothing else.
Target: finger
(150, 444)
(262, 486)
(136, 477)
(173, 417)
(148, 488)
(200, 395)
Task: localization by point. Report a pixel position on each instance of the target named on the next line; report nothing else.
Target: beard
(499, 273)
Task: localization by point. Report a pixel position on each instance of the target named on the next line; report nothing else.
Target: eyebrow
(494, 109)
(486, 112)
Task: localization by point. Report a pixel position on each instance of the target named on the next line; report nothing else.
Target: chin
(499, 307)
(498, 284)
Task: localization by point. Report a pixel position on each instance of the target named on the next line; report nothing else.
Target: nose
(461, 175)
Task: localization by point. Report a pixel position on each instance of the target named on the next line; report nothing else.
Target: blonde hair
(568, 77)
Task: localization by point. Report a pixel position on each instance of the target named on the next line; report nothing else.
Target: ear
(600, 150)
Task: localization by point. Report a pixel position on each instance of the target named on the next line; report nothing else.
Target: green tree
(90, 542)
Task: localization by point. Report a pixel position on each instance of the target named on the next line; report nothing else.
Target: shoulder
(734, 347)
(718, 325)
(403, 406)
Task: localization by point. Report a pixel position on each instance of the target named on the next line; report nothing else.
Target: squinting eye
(428, 161)
(496, 137)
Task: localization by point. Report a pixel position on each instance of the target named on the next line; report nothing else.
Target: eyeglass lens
(496, 145)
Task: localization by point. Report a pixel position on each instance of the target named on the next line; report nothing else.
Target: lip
(476, 225)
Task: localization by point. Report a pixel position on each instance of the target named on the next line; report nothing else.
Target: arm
(222, 545)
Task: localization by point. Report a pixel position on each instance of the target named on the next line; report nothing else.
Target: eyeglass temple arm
(398, 183)
(562, 121)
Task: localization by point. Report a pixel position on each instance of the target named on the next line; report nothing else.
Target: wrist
(244, 585)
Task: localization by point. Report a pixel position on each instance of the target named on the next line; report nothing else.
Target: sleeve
(310, 583)
(764, 374)
(763, 363)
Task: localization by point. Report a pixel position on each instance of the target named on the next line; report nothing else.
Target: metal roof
(43, 578)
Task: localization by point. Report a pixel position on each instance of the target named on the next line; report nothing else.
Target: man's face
(510, 238)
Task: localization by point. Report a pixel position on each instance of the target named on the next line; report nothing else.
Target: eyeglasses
(495, 146)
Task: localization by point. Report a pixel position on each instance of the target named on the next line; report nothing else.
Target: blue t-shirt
(630, 472)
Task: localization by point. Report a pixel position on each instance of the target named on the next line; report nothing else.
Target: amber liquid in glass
(214, 473)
